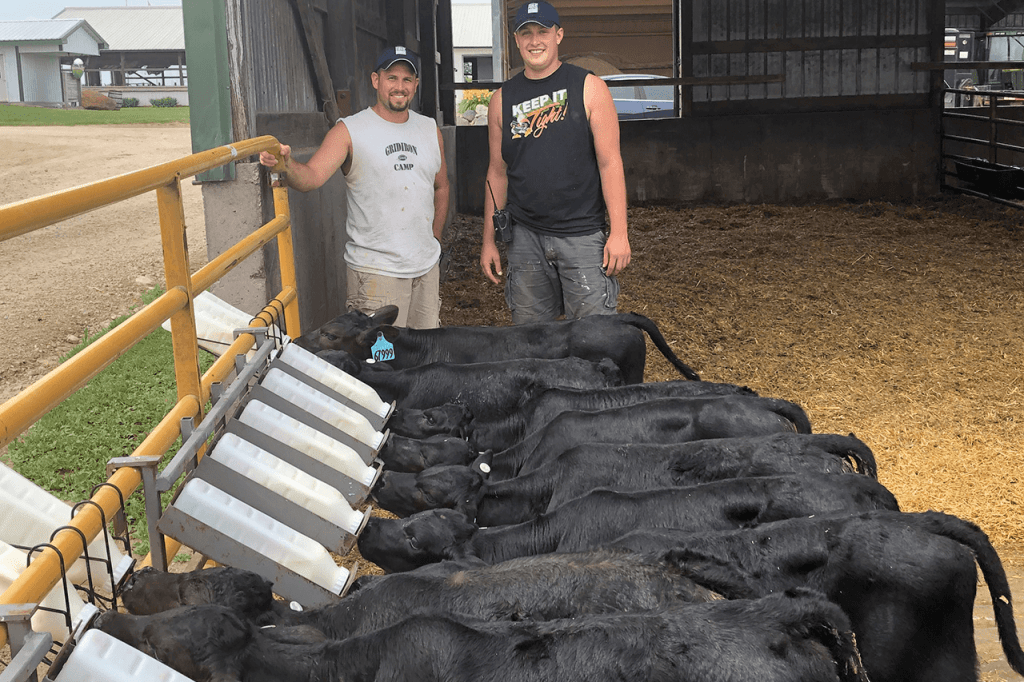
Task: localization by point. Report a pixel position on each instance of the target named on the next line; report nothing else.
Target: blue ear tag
(382, 349)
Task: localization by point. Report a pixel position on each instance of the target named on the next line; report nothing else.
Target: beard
(397, 108)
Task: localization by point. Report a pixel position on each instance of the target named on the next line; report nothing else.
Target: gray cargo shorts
(550, 276)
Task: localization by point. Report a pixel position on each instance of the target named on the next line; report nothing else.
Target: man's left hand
(616, 255)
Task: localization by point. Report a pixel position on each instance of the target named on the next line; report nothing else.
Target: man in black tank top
(555, 166)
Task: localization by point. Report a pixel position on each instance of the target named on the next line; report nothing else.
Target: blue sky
(15, 10)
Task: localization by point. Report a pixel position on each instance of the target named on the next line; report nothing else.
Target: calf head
(450, 419)
(424, 538)
(414, 454)
(150, 591)
(446, 487)
(205, 643)
(342, 360)
(344, 331)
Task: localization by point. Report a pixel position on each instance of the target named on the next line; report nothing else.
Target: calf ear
(386, 315)
(194, 590)
(482, 464)
(468, 506)
(611, 371)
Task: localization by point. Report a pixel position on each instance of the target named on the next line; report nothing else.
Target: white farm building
(31, 53)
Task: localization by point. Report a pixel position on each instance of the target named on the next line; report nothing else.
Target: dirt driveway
(77, 275)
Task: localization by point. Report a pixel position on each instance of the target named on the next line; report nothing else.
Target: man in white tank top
(393, 161)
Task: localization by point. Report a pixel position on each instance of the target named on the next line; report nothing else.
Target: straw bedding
(901, 324)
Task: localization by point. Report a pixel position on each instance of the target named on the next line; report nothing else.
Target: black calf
(602, 516)
(907, 581)
(624, 468)
(619, 338)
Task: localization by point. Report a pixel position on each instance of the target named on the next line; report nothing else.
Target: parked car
(640, 101)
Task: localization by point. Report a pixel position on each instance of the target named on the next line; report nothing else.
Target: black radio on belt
(502, 226)
(502, 220)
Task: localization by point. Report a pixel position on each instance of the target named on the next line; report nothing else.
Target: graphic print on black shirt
(530, 118)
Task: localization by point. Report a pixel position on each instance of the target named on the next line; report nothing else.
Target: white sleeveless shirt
(391, 195)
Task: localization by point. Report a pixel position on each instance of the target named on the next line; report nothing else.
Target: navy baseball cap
(536, 13)
(398, 54)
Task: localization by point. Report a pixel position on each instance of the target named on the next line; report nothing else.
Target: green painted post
(209, 85)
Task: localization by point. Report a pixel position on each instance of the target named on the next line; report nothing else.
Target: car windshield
(622, 92)
(658, 91)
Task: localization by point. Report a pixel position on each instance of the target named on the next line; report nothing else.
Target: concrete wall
(146, 93)
(228, 206)
(892, 155)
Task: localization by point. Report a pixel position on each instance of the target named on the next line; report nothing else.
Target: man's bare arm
(497, 184)
(604, 124)
(441, 192)
(334, 151)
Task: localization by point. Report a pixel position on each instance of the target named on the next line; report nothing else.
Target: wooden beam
(691, 80)
(315, 54)
(942, 66)
(804, 44)
(447, 66)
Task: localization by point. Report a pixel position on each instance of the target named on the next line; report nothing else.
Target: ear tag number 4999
(382, 349)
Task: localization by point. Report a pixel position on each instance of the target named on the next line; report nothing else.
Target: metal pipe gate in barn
(972, 142)
(90, 518)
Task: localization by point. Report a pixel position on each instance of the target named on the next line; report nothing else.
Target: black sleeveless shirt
(554, 185)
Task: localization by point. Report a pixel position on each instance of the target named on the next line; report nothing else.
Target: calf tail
(648, 325)
(791, 411)
(854, 449)
(966, 533)
(821, 620)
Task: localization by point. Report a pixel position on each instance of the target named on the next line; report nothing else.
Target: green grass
(12, 115)
(66, 451)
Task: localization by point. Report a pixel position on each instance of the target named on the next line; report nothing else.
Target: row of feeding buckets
(276, 494)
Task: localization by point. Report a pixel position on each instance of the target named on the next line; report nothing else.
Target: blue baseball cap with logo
(536, 13)
(398, 54)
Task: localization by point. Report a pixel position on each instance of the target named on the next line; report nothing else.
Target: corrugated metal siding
(41, 78)
(282, 76)
(841, 47)
(1011, 21)
(134, 28)
(973, 21)
(964, 21)
(471, 25)
(81, 42)
(9, 69)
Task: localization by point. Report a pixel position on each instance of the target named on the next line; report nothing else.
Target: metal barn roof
(52, 31)
(134, 28)
(471, 25)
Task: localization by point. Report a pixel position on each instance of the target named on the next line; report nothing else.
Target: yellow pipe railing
(20, 412)
(31, 214)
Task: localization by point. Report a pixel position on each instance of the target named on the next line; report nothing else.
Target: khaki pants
(418, 298)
